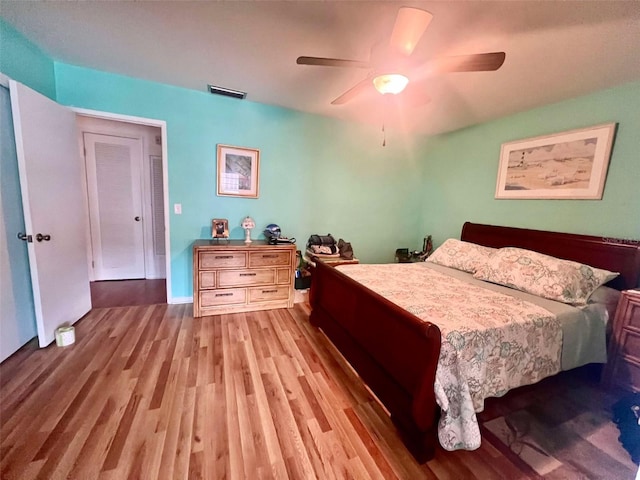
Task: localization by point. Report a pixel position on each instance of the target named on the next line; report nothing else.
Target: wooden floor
(126, 293)
(149, 392)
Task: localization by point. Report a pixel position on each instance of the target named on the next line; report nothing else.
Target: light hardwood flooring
(149, 392)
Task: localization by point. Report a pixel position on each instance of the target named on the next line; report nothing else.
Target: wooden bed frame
(396, 353)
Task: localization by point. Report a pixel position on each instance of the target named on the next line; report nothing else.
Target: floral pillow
(549, 277)
(461, 255)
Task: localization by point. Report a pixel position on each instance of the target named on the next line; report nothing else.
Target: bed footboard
(394, 352)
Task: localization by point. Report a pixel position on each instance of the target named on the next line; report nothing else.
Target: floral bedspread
(491, 342)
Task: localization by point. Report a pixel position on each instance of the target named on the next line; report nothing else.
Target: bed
(396, 353)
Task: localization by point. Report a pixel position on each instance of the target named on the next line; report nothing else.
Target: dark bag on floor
(626, 413)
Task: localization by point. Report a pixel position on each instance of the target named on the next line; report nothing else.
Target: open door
(54, 208)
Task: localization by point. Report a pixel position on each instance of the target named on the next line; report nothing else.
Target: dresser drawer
(627, 375)
(268, 259)
(265, 294)
(235, 278)
(207, 280)
(634, 313)
(623, 365)
(283, 276)
(229, 296)
(221, 259)
(630, 346)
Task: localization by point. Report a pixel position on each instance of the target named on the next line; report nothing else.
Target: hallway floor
(128, 293)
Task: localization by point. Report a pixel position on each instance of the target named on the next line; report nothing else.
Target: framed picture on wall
(238, 171)
(567, 165)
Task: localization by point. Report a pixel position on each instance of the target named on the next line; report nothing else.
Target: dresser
(230, 276)
(623, 364)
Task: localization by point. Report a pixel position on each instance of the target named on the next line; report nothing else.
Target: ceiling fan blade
(480, 62)
(331, 62)
(354, 91)
(410, 25)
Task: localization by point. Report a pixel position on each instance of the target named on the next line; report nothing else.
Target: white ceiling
(554, 50)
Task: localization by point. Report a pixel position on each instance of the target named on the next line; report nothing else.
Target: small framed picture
(238, 171)
(219, 228)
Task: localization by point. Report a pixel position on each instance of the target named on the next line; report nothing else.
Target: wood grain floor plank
(173, 418)
(185, 434)
(377, 465)
(247, 451)
(221, 451)
(265, 417)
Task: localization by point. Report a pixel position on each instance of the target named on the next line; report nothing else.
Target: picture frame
(566, 165)
(238, 171)
(219, 228)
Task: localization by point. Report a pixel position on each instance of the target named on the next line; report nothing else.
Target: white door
(55, 214)
(114, 185)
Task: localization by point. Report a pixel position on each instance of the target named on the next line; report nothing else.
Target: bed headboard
(612, 254)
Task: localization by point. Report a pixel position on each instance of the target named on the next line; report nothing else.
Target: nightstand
(333, 261)
(623, 365)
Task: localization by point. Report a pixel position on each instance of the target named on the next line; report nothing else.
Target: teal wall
(25, 62)
(317, 175)
(460, 170)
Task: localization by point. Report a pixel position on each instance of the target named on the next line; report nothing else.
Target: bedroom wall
(459, 172)
(317, 175)
(25, 62)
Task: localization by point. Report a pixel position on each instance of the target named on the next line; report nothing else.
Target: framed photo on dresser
(219, 228)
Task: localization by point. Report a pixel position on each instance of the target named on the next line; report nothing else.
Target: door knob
(25, 237)
(137, 219)
(40, 237)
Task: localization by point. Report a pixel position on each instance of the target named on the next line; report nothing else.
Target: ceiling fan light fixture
(390, 83)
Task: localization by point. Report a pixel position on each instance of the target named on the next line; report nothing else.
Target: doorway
(126, 204)
(45, 249)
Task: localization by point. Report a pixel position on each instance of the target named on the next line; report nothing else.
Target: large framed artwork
(567, 165)
(238, 171)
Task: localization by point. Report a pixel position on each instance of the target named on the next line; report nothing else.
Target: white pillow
(549, 277)
(461, 255)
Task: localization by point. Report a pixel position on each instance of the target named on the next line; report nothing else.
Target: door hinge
(93, 264)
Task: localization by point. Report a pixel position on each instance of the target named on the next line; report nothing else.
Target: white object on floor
(65, 336)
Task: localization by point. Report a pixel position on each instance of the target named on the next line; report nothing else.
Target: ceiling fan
(392, 70)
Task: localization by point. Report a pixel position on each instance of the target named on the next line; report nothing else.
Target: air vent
(227, 92)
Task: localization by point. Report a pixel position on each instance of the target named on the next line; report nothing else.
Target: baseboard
(178, 300)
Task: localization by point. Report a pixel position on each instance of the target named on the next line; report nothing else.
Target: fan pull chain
(385, 112)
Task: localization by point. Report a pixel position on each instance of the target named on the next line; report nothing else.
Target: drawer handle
(247, 274)
(224, 294)
(270, 256)
(223, 256)
(269, 291)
